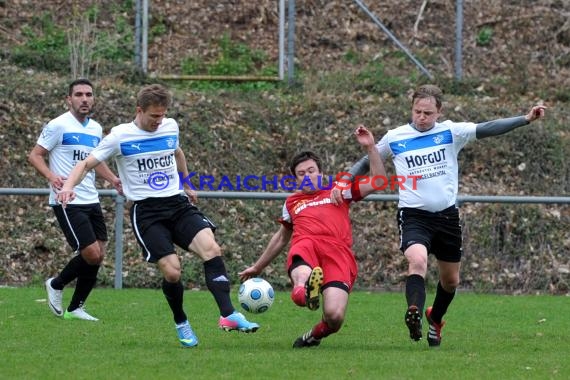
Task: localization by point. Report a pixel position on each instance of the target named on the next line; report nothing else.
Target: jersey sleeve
(285, 218)
(50, 136)
(107, 148)
(383, 147)
(462, 132)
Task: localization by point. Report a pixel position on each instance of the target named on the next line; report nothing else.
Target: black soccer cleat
(413, 319)
(434, 332)
(306, 340)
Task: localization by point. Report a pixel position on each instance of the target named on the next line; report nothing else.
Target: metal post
(281, 39)
(458, 38)
(119, 214)
(291, 44)
(138, 17)
(144, 60)
(393, 38)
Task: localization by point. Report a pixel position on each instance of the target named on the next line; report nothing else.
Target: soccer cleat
(434, 332)
(54, 298)
(313, 288)
(186, 336)
(236, 321)
(79, 313)
(306, 340)
(413, 319)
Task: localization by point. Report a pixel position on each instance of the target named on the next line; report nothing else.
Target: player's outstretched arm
(501, 126)
(276, 244)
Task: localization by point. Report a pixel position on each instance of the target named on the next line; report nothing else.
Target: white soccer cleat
(79, 313)
(54, 298)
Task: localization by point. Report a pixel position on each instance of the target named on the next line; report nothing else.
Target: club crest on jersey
(170, 142)
(438, 139)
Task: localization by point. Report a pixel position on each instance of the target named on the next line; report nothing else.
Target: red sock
(298, 296)
(322, 330)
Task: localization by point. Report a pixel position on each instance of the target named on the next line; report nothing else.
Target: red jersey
(314, 215)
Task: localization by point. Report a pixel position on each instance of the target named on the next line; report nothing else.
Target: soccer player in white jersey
(151, 164)
(65, 141)
(425, 152)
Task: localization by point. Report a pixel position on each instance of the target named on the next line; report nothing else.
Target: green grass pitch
(486, 337)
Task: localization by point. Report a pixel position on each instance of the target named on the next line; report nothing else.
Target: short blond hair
(428, 91)
(153, 95)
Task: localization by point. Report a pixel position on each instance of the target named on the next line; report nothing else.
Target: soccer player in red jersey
(320, 259)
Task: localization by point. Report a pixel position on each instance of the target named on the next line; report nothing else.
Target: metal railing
(120, 203)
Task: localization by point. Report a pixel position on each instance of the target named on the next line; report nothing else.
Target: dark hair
(302, 157)
(78, 82)
(153, 95)
(428, 91)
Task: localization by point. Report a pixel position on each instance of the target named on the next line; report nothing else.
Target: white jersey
(68, 142)
(431, 157)
(145, 160)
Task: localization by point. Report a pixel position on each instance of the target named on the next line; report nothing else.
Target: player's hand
(56, 182)
(336, 194)
(192, 195)
(364, 136)
(536, 112)
(118, 185)
(65, 196)
(248, 273)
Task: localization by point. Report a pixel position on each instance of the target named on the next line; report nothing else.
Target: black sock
(218, 284)
(416, 291)
(174, 294)
(440, 303)
(86, 281)
(68, 273)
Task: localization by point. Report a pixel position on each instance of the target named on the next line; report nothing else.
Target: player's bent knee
(450, 286)
(334, 319)
(172, 276)
(205, 245)
(334, 322)
(92, 254)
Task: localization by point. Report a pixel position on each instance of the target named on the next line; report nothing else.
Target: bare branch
(420, 13)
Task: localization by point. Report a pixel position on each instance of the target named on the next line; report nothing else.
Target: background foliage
(348, 72)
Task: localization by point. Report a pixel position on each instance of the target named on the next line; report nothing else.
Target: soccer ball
(256, 295)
